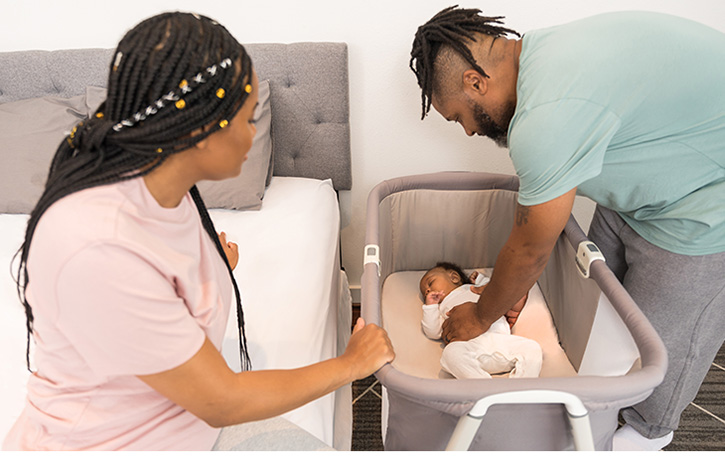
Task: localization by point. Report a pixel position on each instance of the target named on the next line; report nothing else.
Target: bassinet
(612, 357)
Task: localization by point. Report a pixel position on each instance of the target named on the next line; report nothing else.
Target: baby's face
(436, 284)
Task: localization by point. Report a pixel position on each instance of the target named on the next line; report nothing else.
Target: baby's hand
(433, 297)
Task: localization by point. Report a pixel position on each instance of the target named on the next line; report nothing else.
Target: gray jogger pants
(684, 299)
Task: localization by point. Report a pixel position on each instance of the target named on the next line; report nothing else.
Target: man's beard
(488, 128)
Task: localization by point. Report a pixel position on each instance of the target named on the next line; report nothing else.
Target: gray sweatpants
(275, 434)
(684, 299)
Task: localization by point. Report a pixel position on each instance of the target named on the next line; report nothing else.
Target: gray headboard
(309, 97)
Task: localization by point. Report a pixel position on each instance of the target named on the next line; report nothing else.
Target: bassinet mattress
(419, 356)
(288, 275)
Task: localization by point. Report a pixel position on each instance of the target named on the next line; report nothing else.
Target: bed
(283, 209)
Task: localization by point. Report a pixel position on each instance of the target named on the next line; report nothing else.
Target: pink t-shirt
(120, 287)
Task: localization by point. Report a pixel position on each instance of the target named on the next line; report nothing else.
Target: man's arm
(518, 266)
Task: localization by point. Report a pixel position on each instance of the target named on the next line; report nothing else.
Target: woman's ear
(201, 144)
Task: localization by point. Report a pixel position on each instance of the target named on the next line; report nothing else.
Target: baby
(496, 350)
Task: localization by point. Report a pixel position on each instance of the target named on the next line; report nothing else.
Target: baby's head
(439, 281)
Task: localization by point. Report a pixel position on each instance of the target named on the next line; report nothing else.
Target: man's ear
(474, 82)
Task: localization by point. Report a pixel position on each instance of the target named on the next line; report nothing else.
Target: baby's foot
(520, 304)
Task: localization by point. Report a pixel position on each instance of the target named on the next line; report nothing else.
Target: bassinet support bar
(578, 415)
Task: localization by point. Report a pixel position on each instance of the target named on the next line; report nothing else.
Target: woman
(125, 281)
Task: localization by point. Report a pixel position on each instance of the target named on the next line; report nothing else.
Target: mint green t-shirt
(630, 109)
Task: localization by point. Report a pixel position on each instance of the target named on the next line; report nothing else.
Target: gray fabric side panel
(651, 348)
(572, 300)
(310, 97)
(465, 227)
(379, 214)
(505, 427)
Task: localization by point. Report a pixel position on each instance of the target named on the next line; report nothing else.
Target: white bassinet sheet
(416, 355)
(290, 281)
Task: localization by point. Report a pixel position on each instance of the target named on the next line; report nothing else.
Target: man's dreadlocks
(453, 27)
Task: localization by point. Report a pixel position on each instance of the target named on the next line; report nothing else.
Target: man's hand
(463, 324)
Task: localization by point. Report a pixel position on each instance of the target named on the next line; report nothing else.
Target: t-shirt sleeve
(559, 145)
(123, 315)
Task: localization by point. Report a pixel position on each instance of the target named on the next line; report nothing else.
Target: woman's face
(228, 147)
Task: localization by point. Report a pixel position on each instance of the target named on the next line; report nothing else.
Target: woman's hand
(230, 249)
(368, 350)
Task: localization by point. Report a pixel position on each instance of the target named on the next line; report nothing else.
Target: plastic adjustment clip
(372, 254)
(587, 253)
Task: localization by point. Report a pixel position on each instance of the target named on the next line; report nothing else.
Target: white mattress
(419, 356)
(290, 281)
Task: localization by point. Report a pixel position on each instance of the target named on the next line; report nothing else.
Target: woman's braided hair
(453, 27)
(171, 75)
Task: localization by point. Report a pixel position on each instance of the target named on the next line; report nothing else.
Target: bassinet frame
(419, 404)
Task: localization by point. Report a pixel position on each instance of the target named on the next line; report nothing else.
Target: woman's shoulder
(89, 210)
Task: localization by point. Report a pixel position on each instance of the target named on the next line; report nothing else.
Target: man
(627, 109)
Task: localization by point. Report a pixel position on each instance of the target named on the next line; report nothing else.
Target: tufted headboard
(309, 97)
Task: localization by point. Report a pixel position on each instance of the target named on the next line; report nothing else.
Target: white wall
(388, 137)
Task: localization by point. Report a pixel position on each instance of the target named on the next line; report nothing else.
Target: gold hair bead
(180, 104)
(248, 88)
(159, 150)
(223, 123)
(183, 84)
(99, 115)
(72, 135)
(220, 93)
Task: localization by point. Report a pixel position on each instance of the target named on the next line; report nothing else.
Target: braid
(135, 130)
(209, 227)
(453, 27)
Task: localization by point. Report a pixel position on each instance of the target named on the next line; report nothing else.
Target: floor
(702, 425)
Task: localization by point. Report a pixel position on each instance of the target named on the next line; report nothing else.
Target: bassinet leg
(468, 424)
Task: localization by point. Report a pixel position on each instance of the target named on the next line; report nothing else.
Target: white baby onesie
(494, 351)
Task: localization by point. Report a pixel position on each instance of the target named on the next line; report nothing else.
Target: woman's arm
(206, 387)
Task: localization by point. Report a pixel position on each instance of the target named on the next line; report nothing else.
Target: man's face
(488, 128)
(462, 109)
